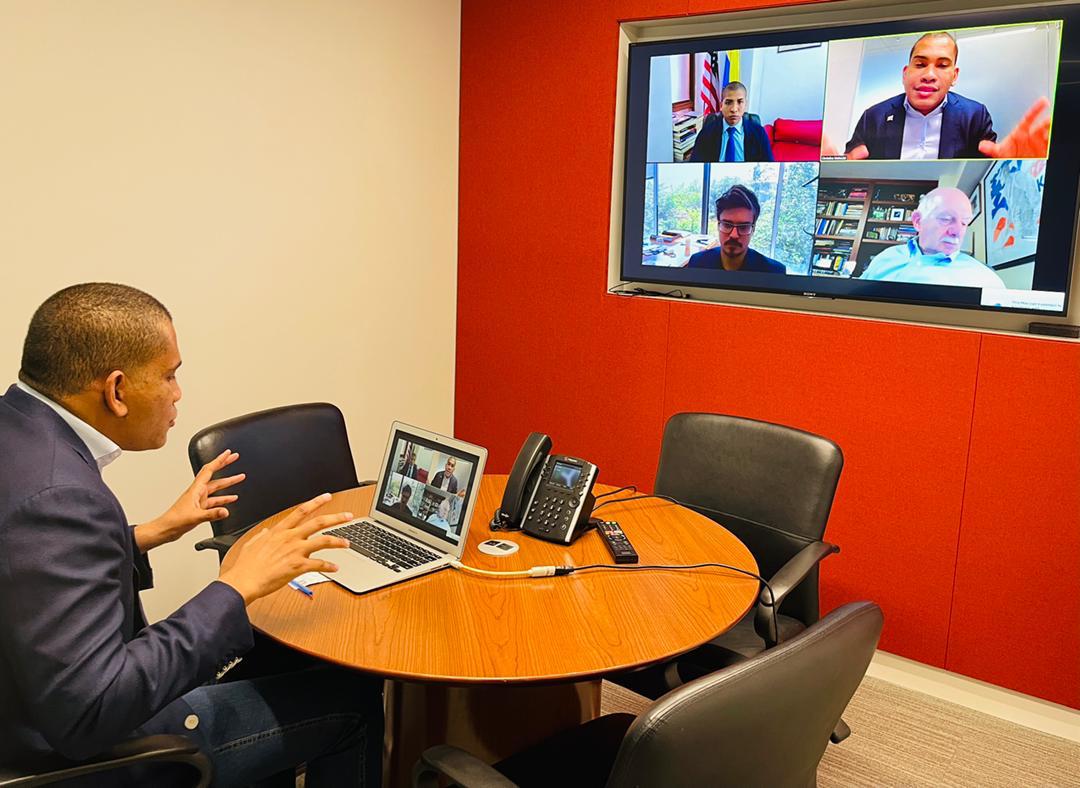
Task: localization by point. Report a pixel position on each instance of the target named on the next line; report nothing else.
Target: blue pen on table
(303, 589)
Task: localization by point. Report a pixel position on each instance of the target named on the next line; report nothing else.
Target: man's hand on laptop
(275, 555)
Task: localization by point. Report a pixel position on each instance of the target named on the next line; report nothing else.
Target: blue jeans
(257, 731)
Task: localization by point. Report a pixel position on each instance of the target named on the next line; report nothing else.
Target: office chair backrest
(765, 721)
(289, 454)
(770, 485)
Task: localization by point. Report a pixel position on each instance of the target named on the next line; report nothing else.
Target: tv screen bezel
(1061, 187)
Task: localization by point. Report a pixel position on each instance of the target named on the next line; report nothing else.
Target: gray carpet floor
(905, 738)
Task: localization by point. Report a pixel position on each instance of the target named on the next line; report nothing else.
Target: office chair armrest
(221, 543)
(787, 578)
(145, 749)
(463, 768)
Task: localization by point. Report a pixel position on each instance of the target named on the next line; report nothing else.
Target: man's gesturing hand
(275, 555)
(199, 503)
(1029, 140)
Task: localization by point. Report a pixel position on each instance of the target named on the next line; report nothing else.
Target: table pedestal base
(489, 721)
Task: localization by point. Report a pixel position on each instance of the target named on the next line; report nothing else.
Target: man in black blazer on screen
(930, 121)
(732, 135)
(80, 669)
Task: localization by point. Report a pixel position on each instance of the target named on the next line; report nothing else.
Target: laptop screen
(428, 485)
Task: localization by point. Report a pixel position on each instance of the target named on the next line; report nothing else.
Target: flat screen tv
(922, 161)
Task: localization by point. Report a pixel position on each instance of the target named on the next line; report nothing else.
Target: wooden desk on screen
(493, 664)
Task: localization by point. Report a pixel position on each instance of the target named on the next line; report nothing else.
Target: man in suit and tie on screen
(930, 121)
(732, 135)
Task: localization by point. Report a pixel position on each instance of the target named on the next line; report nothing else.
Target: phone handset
(522, 482)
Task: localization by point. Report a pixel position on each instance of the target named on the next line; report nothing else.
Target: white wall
(791, 84)
(282, 175)
(662, 75)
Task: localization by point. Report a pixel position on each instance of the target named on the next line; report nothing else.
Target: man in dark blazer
(445, 479)
(929, 121)
(732, 135)
(80, 669)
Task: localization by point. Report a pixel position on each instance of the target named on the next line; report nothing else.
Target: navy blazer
(756, 145)
(964, 124)
(79, 668)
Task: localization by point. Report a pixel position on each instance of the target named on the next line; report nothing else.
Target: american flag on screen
(710, 95)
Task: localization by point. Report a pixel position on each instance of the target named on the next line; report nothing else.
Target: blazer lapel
(894, 129)
(951, 142)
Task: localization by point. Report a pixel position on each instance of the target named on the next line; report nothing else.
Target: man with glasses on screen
(737, 212)
(933, 257)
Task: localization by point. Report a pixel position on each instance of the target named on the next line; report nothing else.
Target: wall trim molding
(1008, 705)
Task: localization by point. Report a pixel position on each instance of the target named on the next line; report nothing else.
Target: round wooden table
(465, 652)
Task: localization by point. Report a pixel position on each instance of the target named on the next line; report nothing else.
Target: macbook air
(420, 514)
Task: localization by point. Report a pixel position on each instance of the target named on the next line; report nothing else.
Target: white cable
(536, 571)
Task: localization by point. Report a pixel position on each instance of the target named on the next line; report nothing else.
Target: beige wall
(283, 175)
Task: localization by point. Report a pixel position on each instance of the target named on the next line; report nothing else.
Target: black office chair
(764, 721)
(289, 454)
(147, 749)
(772, 486)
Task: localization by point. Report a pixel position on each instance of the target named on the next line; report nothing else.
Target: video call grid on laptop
(420, 515)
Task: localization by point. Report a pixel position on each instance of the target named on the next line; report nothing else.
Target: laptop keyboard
(383, 546)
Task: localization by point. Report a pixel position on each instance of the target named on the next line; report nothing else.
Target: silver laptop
(420, 514)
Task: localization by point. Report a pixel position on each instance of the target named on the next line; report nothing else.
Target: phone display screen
(565, 475)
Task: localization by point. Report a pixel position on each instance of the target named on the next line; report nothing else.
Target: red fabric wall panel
(1016, 611)
(896, 399)
(540, 347)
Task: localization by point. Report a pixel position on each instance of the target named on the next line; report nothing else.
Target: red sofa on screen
(795, 140)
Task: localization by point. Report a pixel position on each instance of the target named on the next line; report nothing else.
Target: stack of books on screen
(830, 257)
(891, 233)
(837, 227)
(831, 208)
(684, 132)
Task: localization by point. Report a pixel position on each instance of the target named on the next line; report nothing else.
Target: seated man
(445, 479)
(401, 508)
(441, 517)
(80, 669)
(732, 135)
(933, 256)
(737, 211)
(929, 121)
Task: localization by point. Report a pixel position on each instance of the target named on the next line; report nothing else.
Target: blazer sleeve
(766, 148)
(862, 135)
(63, 560)
(983, 127)
(707, 143)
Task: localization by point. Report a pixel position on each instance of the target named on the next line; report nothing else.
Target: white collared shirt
(102, 449)
(922, 133)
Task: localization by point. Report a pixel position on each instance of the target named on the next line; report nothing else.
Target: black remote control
(617, 544)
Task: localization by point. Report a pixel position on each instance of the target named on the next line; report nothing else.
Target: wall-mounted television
(931, 161)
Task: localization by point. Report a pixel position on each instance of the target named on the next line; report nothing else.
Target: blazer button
(191, 722)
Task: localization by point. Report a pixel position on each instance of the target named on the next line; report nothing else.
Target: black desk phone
(548, 496)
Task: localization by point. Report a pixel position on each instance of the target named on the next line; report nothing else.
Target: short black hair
(734, 85)
(86, 331)
(936, 34)
(738, 196)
